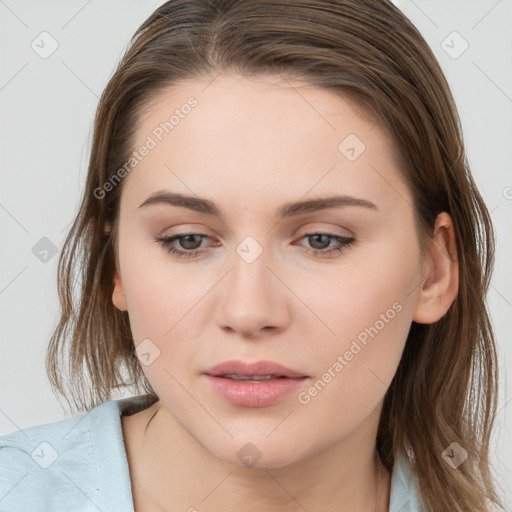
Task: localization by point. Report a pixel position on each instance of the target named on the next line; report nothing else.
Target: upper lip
(255, 368)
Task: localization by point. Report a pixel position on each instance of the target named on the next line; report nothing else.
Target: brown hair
(445, 388)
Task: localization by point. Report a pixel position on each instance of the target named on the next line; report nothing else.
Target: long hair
(445, 388)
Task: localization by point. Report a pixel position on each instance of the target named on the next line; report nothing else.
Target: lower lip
(254, 394)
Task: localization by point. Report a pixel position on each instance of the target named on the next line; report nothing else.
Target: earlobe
(441, 284)
(118, 298)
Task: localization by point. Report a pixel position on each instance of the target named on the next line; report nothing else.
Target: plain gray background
(47, 107)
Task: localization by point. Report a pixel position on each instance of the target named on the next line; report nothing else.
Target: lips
(241, 369)
(258, 384)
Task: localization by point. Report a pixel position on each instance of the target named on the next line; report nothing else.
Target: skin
(251, 145)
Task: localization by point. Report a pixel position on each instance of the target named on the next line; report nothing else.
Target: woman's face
(250, 148)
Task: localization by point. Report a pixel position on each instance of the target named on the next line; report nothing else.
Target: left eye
(190, 241)
(342, 242)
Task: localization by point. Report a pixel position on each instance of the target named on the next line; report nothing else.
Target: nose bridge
(250, 277)
(251, 300)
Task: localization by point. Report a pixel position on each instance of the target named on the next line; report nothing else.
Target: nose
(254, 300)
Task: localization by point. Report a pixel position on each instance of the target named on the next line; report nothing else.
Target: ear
(441, 286)
(118, 298)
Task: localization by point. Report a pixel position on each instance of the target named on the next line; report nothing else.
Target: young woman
(281, 245)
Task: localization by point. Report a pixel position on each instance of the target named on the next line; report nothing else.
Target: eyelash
(167, 244)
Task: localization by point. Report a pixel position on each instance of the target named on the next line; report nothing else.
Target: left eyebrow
(291, 209)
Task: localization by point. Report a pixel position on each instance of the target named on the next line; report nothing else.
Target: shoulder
(53, 466)
(405, 494)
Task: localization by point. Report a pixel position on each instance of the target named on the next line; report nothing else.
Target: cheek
(364, 313)
(168, 315)
(345, 299)
(356, 364)
(160, 294)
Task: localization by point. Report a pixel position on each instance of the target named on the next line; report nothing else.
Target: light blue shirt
(79, 464)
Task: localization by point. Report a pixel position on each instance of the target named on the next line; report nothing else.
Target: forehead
(261, 134)
(253, 107)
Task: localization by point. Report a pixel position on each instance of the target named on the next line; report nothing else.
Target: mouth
(258, 384)
(257, 371)
(251, 378)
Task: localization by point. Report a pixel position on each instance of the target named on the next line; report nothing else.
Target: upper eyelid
(300, 231)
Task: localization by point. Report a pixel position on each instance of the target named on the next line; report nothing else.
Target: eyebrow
(207, 207)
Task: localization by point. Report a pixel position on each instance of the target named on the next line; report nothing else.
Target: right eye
(188, 240)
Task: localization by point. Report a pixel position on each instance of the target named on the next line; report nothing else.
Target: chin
(259, 453)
